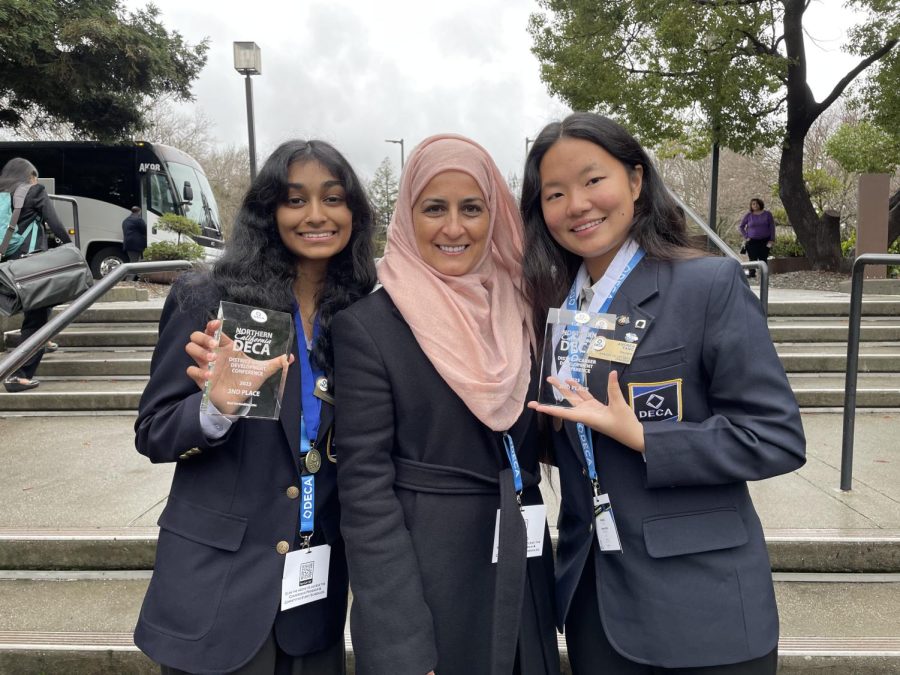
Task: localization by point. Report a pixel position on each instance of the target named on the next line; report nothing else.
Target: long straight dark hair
(658, 225)
(256, 268)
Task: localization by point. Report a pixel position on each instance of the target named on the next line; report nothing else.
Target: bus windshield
(203, 207)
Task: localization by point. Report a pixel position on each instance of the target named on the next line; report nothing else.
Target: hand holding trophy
(246, 353)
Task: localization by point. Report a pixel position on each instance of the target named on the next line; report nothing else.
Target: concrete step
(73, 363)
(834, 624)
(110, 389)
(134, 548)
(76, 395)
(78, 362)
(802, 329)
(833, 307)
(874, 390)
(133, 334)
(831, 357)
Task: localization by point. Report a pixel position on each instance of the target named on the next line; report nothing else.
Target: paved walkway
(83, 472)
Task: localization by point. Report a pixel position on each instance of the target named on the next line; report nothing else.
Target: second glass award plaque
(569, 340)
(248, 374)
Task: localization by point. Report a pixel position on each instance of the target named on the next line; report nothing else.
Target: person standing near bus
(134, 237)
(37, 210)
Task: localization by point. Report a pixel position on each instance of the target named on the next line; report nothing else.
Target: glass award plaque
(248, 374)
(572, 341)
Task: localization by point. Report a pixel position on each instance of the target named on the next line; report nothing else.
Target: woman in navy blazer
(661, 563)
(301, 243)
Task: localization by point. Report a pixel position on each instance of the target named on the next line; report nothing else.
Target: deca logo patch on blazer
(656, 401)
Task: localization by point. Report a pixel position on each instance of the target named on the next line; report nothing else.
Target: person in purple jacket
(758, 229)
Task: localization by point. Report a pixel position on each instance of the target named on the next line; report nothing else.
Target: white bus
(107, 180)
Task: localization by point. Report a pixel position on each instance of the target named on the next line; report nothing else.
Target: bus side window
(161, 200)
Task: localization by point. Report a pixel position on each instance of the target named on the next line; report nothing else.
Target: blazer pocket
(202, 524)
(686, 533)
(194, 558)
(657, 361)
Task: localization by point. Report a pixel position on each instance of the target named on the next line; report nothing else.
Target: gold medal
(312, 460)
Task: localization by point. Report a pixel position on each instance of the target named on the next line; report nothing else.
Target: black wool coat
(419, 533)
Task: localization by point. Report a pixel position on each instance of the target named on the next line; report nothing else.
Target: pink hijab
(474, 328)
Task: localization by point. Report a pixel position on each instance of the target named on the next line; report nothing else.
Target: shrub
(170, 250)
(178, 224)
(787, 246)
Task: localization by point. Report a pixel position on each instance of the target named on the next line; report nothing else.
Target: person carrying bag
(32, 283)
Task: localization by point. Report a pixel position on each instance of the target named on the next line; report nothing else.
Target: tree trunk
(821, 238)
(893, 218)
(821, 241)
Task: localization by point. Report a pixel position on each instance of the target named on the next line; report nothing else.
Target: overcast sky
(355, 72)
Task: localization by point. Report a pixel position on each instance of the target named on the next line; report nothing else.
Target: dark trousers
(757, 250)
(590, 653)
(272, 660)
(133, 256)
(32, 321)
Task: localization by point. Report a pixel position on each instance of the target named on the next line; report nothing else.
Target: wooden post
(872, 219)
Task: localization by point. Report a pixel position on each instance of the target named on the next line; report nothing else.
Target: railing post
(763, 282)
(853, 334)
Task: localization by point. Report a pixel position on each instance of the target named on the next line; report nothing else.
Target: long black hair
(256, 268)
(15, 172)
(658, 225)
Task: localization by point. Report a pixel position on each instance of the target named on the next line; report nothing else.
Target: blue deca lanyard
(310, 414)
(587, 443)
(513, 464)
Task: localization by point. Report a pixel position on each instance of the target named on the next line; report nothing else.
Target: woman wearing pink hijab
(436, 448)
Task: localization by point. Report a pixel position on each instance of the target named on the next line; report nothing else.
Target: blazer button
(584, 472)
(283, 547)
(293, 492)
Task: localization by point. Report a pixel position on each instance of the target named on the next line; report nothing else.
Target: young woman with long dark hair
(661, 562)
(301, 243)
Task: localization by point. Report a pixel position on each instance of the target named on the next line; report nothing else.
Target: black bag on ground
(44, 279)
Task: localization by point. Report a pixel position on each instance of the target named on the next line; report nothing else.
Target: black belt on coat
(511, 567)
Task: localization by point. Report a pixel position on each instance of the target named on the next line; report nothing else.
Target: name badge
(305, 576)
(605, 525)
(612, 350)
(535, 520)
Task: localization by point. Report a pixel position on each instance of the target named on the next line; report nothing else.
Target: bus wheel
(106, 260)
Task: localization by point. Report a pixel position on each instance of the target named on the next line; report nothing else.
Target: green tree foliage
(865, 148)
(89, 63)
(701, 71)
(383, 190)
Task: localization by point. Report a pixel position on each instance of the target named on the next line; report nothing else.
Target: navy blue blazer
(693, 586)
(216, 588)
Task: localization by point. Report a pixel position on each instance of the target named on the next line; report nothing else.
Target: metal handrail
(728, 251)
(35, 342)
(711, 233)
(763, 268)
(856, 292)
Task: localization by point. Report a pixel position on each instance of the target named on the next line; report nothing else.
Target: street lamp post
(528, 141)
(248, 61)
(400, 142)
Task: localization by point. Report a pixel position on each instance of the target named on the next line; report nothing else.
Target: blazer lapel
(640, 286)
